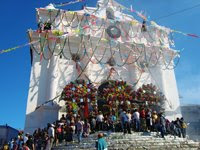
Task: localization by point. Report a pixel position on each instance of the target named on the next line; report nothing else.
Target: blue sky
(18, 16)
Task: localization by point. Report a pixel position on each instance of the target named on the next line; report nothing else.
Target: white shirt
(51, 132)
(100, 118)
(25, 139)
(129, 117)
(136, 115)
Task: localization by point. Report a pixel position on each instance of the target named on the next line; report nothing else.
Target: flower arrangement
(79, 91)
(148, 93)
(115, 92)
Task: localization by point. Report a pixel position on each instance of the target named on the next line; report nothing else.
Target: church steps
(135, 141)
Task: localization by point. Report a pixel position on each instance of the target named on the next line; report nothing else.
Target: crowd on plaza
(73, 127)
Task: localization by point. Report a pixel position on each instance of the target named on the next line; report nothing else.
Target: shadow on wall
(40, 117)
(38, 82)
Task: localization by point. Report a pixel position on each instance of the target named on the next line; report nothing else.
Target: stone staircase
(134, 141)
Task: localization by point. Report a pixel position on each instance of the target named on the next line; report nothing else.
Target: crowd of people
(73, 127)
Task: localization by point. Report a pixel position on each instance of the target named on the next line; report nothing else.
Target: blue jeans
(183, 131)
(122, 125)
(162, 131)
(79, 135)
(137, 124)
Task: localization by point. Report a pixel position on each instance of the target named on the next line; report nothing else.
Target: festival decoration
(115, 92)
(110, 13)
(148, 94)
(113, 31)
(67, 3)
(75, 57)
(16, 47)
(111, 61)
(79, 91)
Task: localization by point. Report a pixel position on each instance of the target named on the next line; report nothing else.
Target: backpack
(184, 125)
(59, 129)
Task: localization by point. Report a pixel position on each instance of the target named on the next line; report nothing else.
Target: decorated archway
(78, 95)
(149, 95)
(113, 95)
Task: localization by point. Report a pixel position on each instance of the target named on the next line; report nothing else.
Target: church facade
(96, 44)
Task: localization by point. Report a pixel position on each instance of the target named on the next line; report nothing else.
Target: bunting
(16, 47)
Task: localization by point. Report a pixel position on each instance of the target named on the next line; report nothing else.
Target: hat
(100, 135)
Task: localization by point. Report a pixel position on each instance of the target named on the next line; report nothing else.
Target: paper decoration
(134, 22)
(105, 40)
(67, 3)
(57, 32)
(16, 47)
(193, 35)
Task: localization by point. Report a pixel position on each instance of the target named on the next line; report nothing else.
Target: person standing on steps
(79, 129)
(178, 127)
(183, 127)
(121, 116)
(128, 121)
(136, 118)
(101, 143)
(162, 125)
(99, 121)
(51, 134)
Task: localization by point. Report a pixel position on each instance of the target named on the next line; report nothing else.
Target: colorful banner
(67, 3)
(16, 47)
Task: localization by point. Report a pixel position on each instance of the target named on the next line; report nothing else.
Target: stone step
(134, 141)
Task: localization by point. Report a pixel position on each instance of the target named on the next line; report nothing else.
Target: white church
(73, 45)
